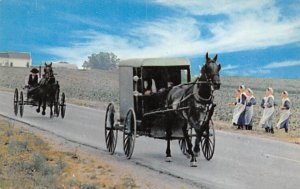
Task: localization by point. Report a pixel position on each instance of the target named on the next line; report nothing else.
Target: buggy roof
(149, 62)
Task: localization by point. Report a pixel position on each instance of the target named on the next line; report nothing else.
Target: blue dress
(241, 120)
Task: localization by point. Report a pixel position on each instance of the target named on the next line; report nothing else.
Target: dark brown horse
(196, 96)
(47, 90)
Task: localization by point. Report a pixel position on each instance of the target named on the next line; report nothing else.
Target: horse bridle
(50, 74)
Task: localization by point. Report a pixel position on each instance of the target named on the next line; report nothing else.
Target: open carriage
(143, 114)
(29, 96)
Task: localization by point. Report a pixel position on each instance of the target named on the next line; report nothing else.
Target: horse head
(48, 70)
(211, 71)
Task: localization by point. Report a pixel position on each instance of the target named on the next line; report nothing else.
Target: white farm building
(15, 59)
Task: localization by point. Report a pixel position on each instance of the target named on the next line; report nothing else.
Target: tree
(102, 60)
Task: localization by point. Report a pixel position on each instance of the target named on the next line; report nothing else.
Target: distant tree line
(102, 60)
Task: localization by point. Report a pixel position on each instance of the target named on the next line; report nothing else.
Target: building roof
(155, 62)
(17, 55)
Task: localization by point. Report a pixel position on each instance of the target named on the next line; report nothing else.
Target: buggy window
(183, 76)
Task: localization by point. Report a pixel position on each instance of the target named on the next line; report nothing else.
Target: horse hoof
(37, 110)
(43, 113)
(193, 164)
(168, 159)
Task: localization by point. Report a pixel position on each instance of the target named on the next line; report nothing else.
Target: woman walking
(285, 112)
(268, 106)
(250, 102)
(239, 110)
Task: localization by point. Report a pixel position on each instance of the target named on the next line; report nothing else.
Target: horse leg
(44, 106)
(51, 107)
(190, 146)
(197, 146)
(168, 151)
(39, 106)
(199, 134)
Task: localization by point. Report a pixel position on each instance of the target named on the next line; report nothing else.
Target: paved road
(239, 161)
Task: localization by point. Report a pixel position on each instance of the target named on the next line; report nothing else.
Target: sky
(257, 38)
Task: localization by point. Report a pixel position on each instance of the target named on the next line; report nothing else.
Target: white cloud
(162, 38)
(230, 67)
(283, 64)
(246, 72)
(248, 25)
(73, 18)
(215, 7)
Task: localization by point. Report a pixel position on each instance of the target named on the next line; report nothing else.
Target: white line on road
(280, 157)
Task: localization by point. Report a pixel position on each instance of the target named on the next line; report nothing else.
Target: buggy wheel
(56, 104)
(111, 133)
(62, 105)
(208, 142)
(16, 102)
(183, 143)
(129, 133)
(21, 104)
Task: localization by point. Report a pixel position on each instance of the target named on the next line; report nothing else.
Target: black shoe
(267, 130)
(286, 130)
(272, 131)
(250, 127)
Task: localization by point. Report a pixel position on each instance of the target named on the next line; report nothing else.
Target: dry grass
(27, 161)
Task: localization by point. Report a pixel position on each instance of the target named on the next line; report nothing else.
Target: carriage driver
(33, 80)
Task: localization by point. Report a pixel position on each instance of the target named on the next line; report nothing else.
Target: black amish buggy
(45, 94)
(158, 113)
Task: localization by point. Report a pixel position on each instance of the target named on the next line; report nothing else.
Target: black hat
(34, 70)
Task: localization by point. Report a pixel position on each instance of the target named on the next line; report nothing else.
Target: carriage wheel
(16, 102)
(56, 104)
(208, 142)
(111, 133)
(129, 133)
(62, 105)
(183, 143)
(21, 104)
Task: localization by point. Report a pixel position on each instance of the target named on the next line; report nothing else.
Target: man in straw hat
(268, 104)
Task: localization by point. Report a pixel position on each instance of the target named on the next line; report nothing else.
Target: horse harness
(204, 104)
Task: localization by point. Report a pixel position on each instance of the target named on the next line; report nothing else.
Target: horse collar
(199, 98)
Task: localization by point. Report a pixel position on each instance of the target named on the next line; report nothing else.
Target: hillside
(97, 86)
